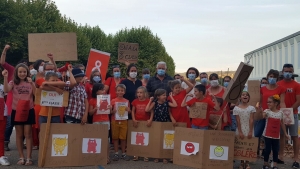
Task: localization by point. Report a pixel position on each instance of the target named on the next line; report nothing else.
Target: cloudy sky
(211, 35)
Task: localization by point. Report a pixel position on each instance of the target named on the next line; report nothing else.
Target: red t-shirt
(266, 93)
(110, 82)
(210, 105)
(179, 113)
(98, 117)
(88, 89)
(292, 89)
(140, 107)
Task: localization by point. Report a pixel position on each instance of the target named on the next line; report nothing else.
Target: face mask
(96, 79)
(287, 75)
(191, 76)
(146, 76)
(161, 72)
(33, 72)
(214, 83)
(41, 69)
(272, 80)
(263, 85)
(46, 72)
(226, 84)
(117, 74)
(204, 80)
(133, 75)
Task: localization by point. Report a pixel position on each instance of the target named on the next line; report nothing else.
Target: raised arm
(50, 56)
(173, 104)
(7, 88)
(190, 85)
(184, 104)
(150, 105)
(3, 56)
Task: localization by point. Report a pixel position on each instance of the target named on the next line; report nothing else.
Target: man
(203, 79)
(292, 100)
(159, 80)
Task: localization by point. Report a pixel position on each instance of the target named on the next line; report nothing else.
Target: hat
(77, 72)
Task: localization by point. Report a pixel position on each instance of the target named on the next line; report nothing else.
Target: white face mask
(214, 83)
(133, 74)
(41, 69)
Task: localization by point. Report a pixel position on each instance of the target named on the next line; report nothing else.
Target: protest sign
(103, 102)
(98, 60)
(51, 98)
(245, 149)
(254, 92)
(198, 110)
(128, 52)
(288, 116)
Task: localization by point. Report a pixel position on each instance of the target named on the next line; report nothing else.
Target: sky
(211, 35)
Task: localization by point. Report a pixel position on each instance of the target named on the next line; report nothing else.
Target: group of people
(160, 98)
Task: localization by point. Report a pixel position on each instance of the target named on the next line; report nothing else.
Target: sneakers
(6, 148)
(125, 157)
(265, 167)
(4, 161)
(281, 162)
(116, 157)
(295, 164)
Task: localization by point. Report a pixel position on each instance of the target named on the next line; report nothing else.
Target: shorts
(119, 129)
(103, 122)
(54, 119)
(30, 120)
(292, 130)
(199, 127)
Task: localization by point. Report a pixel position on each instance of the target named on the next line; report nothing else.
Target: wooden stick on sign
(46, 139)
(221, 115)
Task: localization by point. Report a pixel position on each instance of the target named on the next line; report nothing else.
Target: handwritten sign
(245, 149)
(62, 45)
(103, 102)
(288, 116)
(214, 119)
(198, 110)
(273, 128)
(128, 52)
(51, 98)
(237, 84)
(121, 114)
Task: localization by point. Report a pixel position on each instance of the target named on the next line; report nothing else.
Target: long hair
(96, 87)
(92, 75)
(17, 80)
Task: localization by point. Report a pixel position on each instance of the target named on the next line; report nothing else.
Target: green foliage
(20, 17)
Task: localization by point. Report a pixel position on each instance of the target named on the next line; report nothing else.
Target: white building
(274, 55)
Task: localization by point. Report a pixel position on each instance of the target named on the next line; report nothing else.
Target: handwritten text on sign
(198, 110)
(51, 98)
(245, 149)
(128, 52)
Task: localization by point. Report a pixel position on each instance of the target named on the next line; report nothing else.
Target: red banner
(97, 60)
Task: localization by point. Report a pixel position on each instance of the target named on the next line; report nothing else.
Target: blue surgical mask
(204, 80)
(117, 74)
(287, 75)
(272, 80)
(161, 72)
(96, 79)
(146, 76)
(192, 76)
(226, 84)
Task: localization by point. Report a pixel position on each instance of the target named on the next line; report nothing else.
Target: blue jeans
(70, 119)
(8, 129)
(54, 119)
(233, 122)
(259, 127)
(199, 127)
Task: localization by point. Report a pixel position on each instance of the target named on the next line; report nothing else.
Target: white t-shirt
(273, 115)
(185, 86)
(2, 94)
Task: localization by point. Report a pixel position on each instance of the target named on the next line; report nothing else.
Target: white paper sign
(288, 115)
(51, 98)
(91, 145)
(103, 101)
(218, 152)
(168, 142)
(121, 114)
(140, 138)
(189, 148)
(59, 145)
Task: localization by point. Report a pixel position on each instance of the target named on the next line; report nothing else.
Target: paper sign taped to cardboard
(198, 110)
(288, 116)
(245, 149)
(128, 52)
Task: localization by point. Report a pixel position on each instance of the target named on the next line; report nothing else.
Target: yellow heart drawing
(44, 94)
(121, 110)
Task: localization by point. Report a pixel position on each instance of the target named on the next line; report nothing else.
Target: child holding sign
(274, 119)
(218, 118)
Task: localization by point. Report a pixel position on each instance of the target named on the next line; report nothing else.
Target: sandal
(165, 161)
(35, 147)
(29, 161)
(247, 166)
(21, 161)
(146, 159)
(242, 165)
(108, 160)
(156, 160)
(135, 158)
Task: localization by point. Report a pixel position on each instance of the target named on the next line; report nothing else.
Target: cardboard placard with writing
(198, 110)
(214, 119)
(128, 52)
(245, 149)
(288, 116)
(75, 145)
(205, 149)
(237, 84)
(254, 92)
(63, 46)
(39, 94)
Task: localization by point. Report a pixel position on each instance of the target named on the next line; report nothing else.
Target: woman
(146, 76)
(112, 82)
(217, 90)
(95, 77)
(131, 83)
(192, 74)
(263, 82)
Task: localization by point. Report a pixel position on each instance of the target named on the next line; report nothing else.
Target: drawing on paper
(91, 145)
(140, 138)
(168, 139)
(59, 145)
(218, 152)
(121, 110)
(121, 114)
(103, 101)
(189, 148)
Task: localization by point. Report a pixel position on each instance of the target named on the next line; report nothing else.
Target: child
(274, 119)
(244, 114)
(23, 91)
(3, 119)
(160, 105)
(98, 89)
(77, 110)
(179, 113)
(218, 113)
(139, 112)
(199, 97)
(119, 127)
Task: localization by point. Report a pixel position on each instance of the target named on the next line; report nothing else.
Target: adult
(264, 82)
(204, 79)
(218, 91)
(177, 77)
(159, 80)
(95, 77)
(192, 74)
(226, 81)
(112, 82)
(146, 76)
(131, 83)
(292, 100)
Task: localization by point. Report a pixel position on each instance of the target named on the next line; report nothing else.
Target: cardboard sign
(237, 84)
(121, 114)
(245, 149)
(43, 98)
(62, 45)
(273, 128)
(254, 91)
(98, 60)
(288, 116)
(205, 149)
(198, 110)
(75, 145)
(103, 102)
(128, 52)
(214, 119)
(156, 141)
